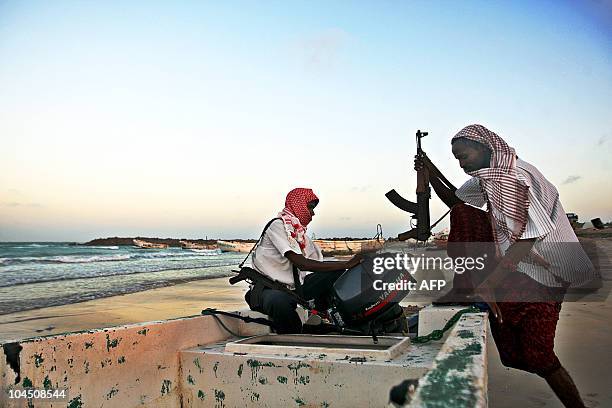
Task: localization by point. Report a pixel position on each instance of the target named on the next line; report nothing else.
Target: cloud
(345, 218)
(603, 139)
(320, 51)
(571, 179)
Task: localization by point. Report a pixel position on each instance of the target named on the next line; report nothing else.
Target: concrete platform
(211, 376)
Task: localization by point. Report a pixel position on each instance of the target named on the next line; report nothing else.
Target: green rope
(437, 334)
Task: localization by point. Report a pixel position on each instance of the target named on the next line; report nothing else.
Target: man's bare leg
(564, 387)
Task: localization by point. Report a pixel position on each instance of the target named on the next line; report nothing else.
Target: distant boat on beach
(342, 246)
(347, 246)
(194, 245)
(148, 245)
(235, 246)
(573, 219)
(441, 240)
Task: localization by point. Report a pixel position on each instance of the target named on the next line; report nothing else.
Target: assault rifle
(420, 209)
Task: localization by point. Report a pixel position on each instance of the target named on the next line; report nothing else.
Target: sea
(41, 274)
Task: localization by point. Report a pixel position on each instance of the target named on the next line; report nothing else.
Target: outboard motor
(366, 298)
(363, 300)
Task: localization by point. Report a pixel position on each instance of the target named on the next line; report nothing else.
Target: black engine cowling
(358, 299)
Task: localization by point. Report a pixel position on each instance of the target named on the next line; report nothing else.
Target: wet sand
(583, 340)
(186, 299)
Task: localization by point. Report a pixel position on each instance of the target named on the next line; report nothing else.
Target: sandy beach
(186, 299)
(583, 339)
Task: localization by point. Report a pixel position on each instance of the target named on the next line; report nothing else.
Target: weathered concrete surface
(458, 377)
(215, 378)
(144, 365)
(128, 366)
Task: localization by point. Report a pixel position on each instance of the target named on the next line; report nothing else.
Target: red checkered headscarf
(296, 215)
(500, 183)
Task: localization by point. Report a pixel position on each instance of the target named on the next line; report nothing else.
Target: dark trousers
(280, 306)
(526, 338)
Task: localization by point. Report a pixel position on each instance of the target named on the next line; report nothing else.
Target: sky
(194, 119)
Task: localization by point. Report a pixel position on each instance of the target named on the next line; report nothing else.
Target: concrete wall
(127, 366)
(172, 364)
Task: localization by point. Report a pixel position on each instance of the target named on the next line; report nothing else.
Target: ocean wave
(208, 252)
(38, 279)
(178, 254)
(65, 259)
(103, 247)
(90, 259)
(28, 246)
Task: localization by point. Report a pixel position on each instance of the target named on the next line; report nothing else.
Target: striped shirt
(556, 241)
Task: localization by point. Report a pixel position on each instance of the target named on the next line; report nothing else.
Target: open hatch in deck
(386, 348)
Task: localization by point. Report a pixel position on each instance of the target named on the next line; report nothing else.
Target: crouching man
(285, 253)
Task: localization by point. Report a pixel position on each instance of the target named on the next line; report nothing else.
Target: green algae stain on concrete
(165, 389)
(215, 367)
(47, 383)
(295, 367)
(190, 380)
(465, 334)
(240, 367)
(201, 395)
(254, 396)
(257, 365)
(111, 343)
(324, 404)
(121, 360)
(263, 380)
(448, 384)
(27, 383)
(281, 379)
(88, 345)
(86, 367)
(299, 401)
(75, 402)
(196, 362)
(113, 391)
(38, 360)
(219, 397)
(143, 332)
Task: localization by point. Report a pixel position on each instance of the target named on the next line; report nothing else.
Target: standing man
(537, 253)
